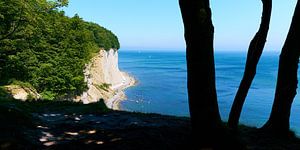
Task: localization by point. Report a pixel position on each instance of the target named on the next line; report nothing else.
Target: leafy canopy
(40, 45)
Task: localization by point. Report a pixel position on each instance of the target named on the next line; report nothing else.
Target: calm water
(162, 85)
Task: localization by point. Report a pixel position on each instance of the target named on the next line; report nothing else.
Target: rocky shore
(114, 102)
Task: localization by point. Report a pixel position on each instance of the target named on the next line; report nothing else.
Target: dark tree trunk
(254, 52)
(199, 35)
(287, 79)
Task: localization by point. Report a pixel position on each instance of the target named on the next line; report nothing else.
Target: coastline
(119, 95)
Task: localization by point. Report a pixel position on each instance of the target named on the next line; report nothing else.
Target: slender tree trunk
(199, 35)
(287, 79)
(254, 52)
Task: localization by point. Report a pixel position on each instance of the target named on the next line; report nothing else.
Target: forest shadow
(54, 125)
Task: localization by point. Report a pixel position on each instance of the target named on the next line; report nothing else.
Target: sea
(162, 88)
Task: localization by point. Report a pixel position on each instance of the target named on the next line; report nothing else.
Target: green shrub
(104, 86)
(3, 92)
(48, 95)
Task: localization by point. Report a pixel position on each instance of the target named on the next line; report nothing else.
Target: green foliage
(104, 86)
(3, 92)
(48, 95)
(41, 46)
(30, 97)
(20, 83)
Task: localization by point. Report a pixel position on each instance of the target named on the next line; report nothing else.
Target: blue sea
(162, 86)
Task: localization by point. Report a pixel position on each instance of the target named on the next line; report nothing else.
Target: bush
(3, 92)
(104, 86)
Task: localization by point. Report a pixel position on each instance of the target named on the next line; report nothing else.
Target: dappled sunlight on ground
(103, 130)
(54, 125)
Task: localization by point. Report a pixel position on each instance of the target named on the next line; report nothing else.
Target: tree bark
(199, 35)
(287, 79)
(254, 52)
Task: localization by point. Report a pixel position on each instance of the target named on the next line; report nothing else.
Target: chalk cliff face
(104, 79)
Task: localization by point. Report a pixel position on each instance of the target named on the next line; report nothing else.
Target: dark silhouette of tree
(254, 52)
(287, 79)
(199, 35)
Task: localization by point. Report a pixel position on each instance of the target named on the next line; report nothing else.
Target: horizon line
(183, 50)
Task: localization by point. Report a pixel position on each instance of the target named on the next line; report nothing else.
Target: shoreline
(115, 101)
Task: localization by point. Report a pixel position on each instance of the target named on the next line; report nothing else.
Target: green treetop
(40, 45)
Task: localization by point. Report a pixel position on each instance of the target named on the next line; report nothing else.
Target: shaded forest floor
(60, 125)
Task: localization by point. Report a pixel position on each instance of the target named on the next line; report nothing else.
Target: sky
(157, 24)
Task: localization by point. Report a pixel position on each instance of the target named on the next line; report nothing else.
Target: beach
(119, 95)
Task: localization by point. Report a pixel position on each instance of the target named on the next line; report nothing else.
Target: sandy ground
(114, 102)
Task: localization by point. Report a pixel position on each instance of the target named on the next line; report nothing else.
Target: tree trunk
(287, 79)
(254, 52)
(199, 35)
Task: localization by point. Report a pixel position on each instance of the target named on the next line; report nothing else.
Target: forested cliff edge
(45, 51)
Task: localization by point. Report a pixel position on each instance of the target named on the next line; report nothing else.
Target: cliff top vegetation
(42, 47)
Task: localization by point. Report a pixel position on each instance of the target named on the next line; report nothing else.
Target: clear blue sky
(157, 24)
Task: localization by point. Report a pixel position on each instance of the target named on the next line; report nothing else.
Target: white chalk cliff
(105, 80)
